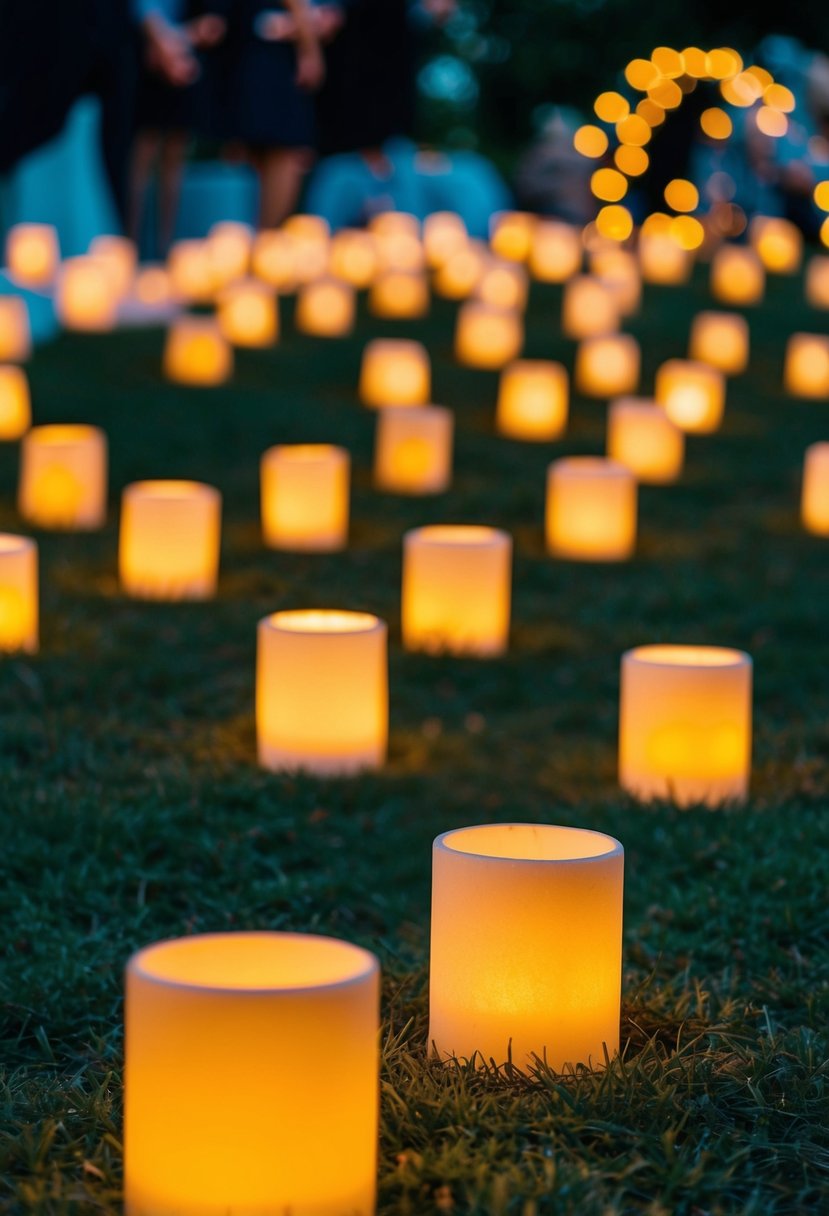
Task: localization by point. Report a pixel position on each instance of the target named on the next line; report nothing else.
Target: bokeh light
(615, 222)
(609, 185)
(611, 107)
(716, 123)
(590, 141)
(681, 195)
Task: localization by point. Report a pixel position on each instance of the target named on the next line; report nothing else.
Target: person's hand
(310, 66)
(207, 31)
(440, 10)
(328, 20)
(273, 26)
(169, 53)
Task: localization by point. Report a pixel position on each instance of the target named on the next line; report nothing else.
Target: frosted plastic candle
(63, 477)
(353, 257)
(457, 590)
(526, 954)
(413, 449)
(191, 271)
(533, 400)
(503, 285)
(607, 366)
(591, 509)
(815, 495)
(817, 282)
(398, 240)
(247, 314)
(720, 339)
(487, 337)
(556, 252)
(273, 260)
(512, 235)
(86, 295)
(737, 276)
(15, 403)
(18, 594)
(806, 371)
(619, 270)
(229, 245)
(460, 274)
(589, 308)
(15, 334)
(642, 437)
(691, 394)
(32, 254)
(325, 308)
(322, 692)
(395, 371)
(777, 242)
(251, 1077)
(169, 542)
(399, 295)
(662, 261)
(305, 497)
(152, 286)
(444, 233)
(197, 353)
(685, 723)
(120, 256)
(310, 238)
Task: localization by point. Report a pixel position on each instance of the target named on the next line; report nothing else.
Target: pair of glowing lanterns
(806, 368)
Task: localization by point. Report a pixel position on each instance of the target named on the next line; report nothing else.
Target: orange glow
(457, 590)
(806, 372)
(191, 273)
(615, 223)
(512, 235)
(821, 195)
(722, 63)
(444, 233)
(715, 123)
(223, 1065)
(556, 253)
(779, 98)
(668, 62)
(120, 257)
(85, 296)
(611, 107)
(168, 546)
(15, 334)
(196, 353)
(681, 195)
(693, 62)
(662, 259)
(685, 724)
(353, 257)
(305, 497)
(771, 122)
(413, 449)
(691, 394)
(458, 277)
(335, 724)
(532, 400)
(654, 116)
(737, 276)
(487, 337)
(607, 366)
(687, 231)
(590, 141)
(743, 90)
(228, 246)
(152, 286)
(526, 953)
(641, 74)
(817, 282)
(591, 509)
(814, 508)
(631, 161)
(325, 308)
(778, 243)
(666, 94)
(395, 372)
(633, 130)
(274, 260)
(15, 404)
(63, 477)
(824, 232)
(18, 594)
(609, 184)
(503, 285)
(642, 437)
(32, 254)
(399, 295)
(720, 339)
(247, 314)
(589, 308)
(619, 269)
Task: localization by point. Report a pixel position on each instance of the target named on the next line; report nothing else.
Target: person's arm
(310, 65)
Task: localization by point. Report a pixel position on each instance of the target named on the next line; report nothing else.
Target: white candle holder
(591, 509)
(63, 477)
(170, 539)
(18, 594)
(642, 437)
(305, 497)
(413, 449)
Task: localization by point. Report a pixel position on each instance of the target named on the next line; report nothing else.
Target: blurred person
(552, 177)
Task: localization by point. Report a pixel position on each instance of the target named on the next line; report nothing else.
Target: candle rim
(360, 622)
(300, 452)
(600, 466)
(11, 542)
(533, 367)
(693, 367)
(172, 489)
(616, 849)
(657, 654)
(477, 535)
(61, 433)
(407, 346)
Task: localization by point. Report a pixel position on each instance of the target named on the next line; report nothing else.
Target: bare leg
(281, 171)
(144, 151)
(173, 149)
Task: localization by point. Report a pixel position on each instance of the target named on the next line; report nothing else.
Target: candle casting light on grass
(737, 276)
(589, 308)
(399, 295)
(556, 253)
(247, 314)
(806, 372)
(815, 495)
(325, 308)
(15, 334)
(86, 295)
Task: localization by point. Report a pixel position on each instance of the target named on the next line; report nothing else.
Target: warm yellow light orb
(589, 308)
(633, 130)
(444, 233)
(609, 185)
(721, 340)
(413, 449)
(631, 161)
(197, 353)
(641, 74)
(771, 122)
(86, 298)
(353, 257)
(615, 222)
(611, 107)
(15, 403)
(395, 372)
(814, 504)
(590, 141)
(715, 123)
(533, 398)
(18, 594)
(486, 336)
(681, 195)
(821, 195)
(32, 254)
(663, 260)
(691, 394)
(120, 257)
(15, 332)
(512, 235)
(667, 62)
(325, 308)
(607, 366)
(778, 243)
(806, 369)
(503, 285)
(556, 253)
(459, 275)
(399, 295)
(247, 313)
(228, 245)
(591, 509)
(305, 497)
(168, 547)
(642, 437)
(817, 282)
(274, 260)
(63, 477)
(737, 276)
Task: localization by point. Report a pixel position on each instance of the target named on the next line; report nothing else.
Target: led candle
(591, 509)
(305, 497)
(663, 261)
(685, 723)
(191, 272)
(737, 276)
(607, 366)
(777, 242)
(398, 240)
(18, 594)
(503, 285)
(152, 286)
(325, 308)
(691, 394)
(15, 334)
(413, 449)
(814, 507)
(512, 235)
(399, 295)
(526, 954)
(353, 257)
(556, 252)
(86, 296)
(444, 234)
(229, 245)
(533, 400)
(120, 257)
(619, 270)
(197, 353)
(169, 542)
(806, 372)
(817, 282)
(456, 590)
(642, 437)
(460, 274)
(310, 237)
(15, 404)
(487, 337)
(247, 314)
(589, 308)
(251, 1077)
(720, 339)
(322, 692)
(273, 260)
(63, 477)
(32, 254)
(395, 372)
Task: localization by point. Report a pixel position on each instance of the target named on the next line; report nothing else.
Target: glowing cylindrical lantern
(460, 274)
(395, 372)
(737, 276)
(720, 339)
(305, 497)
(457, 590)
(152, 286)
(444, 233)
(526, 955)
(607, 366)
(591, 509)
(642, 437)
(691, 394)
(229, 245)
(197, 353)
(310, 237)
(512, 235)
(685, 723)
(325, 308)
(229, 1104)
(413, 449)
(398, 240)
(63, 477)
(191, 271)
(322, 692)
(503, 285)
(169, 542)
(32, 254)
(18, 594)
(806, 371)
(399, 295)
(247, 314)
(556, 253)
(663, 261)
(619, 270)
(120, 257)
(777, 242)
(15, 334)
(353, 257)
(15, 403)
(86, 297)
(273, 260)
(589, 308)
(814, 507)
(533, 400)
(817, 282)
(487, 337)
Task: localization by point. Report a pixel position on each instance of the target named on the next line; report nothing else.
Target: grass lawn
(132, 809)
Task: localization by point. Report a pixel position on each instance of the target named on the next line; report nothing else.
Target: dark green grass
(132, 808)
